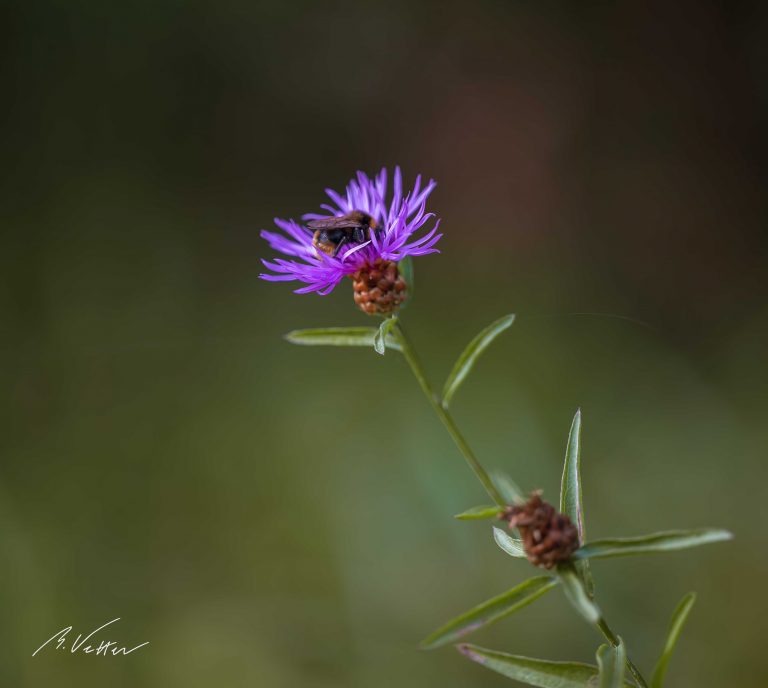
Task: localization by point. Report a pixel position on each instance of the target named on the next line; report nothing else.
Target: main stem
(445, 416)
(476, 466)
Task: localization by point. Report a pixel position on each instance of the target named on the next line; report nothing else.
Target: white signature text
(59, 641)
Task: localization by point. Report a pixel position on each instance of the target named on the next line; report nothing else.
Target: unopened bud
(549, 537)
(379, 288)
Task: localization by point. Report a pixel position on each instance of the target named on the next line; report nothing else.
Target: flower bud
(379, 289)
(549, 537)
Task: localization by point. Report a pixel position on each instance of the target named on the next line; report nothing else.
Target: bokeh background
(268, 515)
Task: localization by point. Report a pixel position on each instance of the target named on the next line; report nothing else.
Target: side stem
(445, 416)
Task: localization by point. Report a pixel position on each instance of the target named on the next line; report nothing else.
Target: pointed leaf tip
(466, 650)
(570, 485)
(479, 512)
(676, 624)
(490, 612)
(471, 353)
(571, 500)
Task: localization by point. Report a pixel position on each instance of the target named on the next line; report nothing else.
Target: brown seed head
(549, 537)
(379, 288)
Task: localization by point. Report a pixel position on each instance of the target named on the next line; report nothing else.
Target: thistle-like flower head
(549, 537)
(397, 217)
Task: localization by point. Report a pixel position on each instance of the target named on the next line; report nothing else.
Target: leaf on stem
(649, 544)
(534, 672)
(570, 486)
(612, 662)
(510, 545)
(477, 513)
(576, 592)
(507, 487)
(380, 338)
(339, 336)
(571, 502)
(489, 612)
(679, 617)
(468, 357)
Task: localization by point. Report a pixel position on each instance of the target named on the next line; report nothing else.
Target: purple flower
(397, 221)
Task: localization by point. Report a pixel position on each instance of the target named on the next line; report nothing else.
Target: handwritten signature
(79, 645)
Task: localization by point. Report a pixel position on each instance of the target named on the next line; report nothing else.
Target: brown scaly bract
(549, 537)
(379, 288)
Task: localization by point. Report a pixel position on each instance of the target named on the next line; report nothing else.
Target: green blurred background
(268, 515)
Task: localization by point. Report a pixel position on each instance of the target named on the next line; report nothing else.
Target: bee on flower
(363, 234)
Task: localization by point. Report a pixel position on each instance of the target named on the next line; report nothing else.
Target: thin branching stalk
(474, 463)
(445, 416)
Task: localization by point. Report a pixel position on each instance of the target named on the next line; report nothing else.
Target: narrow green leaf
(570, 485)
(571, 502)
(679, 617)
(468, 357)
(380, 338)
(489, 612)
(339, 336)
(477, 513)
(612, 663)
(648, 544)
(405, 268)
(534, 672)
(507, 487)
(575, 591)
(510, 545)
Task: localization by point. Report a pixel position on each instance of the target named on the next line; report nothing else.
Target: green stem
(476, 466)
(445, 416)
(611, 637)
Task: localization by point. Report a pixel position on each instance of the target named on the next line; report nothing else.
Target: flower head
(396, 220)
(549, 537)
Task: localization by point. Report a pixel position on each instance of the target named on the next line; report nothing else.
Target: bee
(334, 232)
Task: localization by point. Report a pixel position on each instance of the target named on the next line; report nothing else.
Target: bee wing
(334, 223)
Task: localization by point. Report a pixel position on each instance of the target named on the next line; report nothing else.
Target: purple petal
(399, 220)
